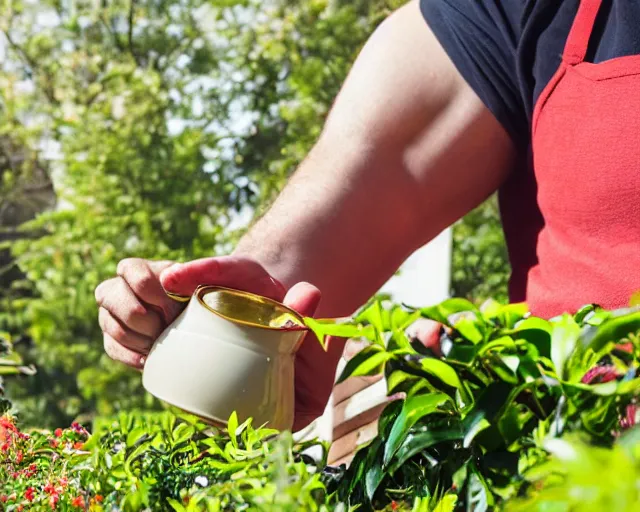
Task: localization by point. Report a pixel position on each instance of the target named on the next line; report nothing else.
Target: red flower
(54, 443)
(4, 498)
(600, 375)
(63, 482)
(8, 424)
(394, 505)
(78, 429)
(20, 507)
(629, 419)
(29, 494)
(4, 447)
(99, 498)
(49, 488)
(78, 445)
(58, 432)
(19, 457)
(53, 501)
(77, 502)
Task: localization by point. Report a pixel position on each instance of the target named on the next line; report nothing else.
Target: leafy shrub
(154, 461)
(520, 414)
(166, 119)
(474, 423)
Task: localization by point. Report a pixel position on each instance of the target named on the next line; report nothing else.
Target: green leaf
(232, 428)
(480, 498)
(611, 330)
(447, 504)
(182, 433)
(325, 328)
(486, 409)
(443, 372)
(469, 329)
(413, 410)
(564, 339)
(442, 312)
(135, 435)
(369, 361)
(425, 437)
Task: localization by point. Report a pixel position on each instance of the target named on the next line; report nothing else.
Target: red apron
(581, 242)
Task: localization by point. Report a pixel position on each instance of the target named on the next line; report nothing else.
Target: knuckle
(142, 281)
(101, 291)
(127, 266)
(134, 314)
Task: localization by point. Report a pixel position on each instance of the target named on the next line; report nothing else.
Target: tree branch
(132, 5)
(48, 91)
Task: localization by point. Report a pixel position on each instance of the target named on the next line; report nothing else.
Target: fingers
(125, 355)
(231, 271)
(143, 277)
(112, 327)
(303, 298)
(120, 301)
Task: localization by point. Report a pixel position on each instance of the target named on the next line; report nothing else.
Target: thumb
(303, 298)
(232, 271)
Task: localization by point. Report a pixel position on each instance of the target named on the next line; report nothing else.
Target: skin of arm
(408, 148)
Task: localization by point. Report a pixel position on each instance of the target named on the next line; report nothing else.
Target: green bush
(142, 101)
(521, 414)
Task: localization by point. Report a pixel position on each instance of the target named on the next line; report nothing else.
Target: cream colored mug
(228, 351)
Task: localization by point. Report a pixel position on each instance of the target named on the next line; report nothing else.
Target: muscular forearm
(344, 223)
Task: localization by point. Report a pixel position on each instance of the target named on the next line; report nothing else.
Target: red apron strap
(578, 40)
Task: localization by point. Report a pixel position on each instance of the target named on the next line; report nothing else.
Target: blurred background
(159, 129)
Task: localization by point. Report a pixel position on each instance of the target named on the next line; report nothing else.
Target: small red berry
(29, 493)
(58, 432)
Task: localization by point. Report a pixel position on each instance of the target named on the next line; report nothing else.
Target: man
(537, 99)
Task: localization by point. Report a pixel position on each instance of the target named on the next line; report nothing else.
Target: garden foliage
(157, 123)
(521, 414)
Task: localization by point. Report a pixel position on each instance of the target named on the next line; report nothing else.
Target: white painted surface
(425, 278)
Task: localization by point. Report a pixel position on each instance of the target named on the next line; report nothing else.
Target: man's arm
(407, 150)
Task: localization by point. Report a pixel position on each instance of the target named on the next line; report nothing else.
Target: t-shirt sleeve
(481, 38)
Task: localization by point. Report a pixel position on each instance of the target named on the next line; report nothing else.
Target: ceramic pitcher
(228, 351)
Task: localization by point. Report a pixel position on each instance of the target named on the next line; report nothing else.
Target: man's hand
(134, 308)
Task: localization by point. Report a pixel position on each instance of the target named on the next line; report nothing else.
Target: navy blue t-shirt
(508, 50)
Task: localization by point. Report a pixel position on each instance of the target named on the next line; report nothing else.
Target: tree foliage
(480, 267)
(159, 121)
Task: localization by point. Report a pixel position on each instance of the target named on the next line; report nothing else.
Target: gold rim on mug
(277, 313)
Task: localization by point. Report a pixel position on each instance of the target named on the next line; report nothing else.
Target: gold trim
(202, 290)
(177, 297)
